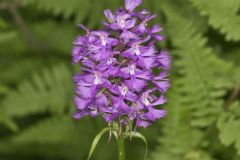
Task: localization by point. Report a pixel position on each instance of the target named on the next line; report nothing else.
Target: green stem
(121, 149)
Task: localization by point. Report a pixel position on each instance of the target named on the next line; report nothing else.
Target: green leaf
(96, 140)
(143, 138)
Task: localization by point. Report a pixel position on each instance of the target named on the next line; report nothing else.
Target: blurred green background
(36, 86)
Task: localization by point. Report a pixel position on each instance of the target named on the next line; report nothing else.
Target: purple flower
(117, 63)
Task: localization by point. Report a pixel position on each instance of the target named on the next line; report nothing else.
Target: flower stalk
(121, 147)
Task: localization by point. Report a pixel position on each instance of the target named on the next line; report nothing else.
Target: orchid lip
(146, 102)
(124, 90)
(97, 78)
(136, 49)
(121, 21)
(103, 39)
(132, 68)
(145, 99)
(110, 61)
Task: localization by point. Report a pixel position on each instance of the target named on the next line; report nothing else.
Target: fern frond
(8, 67)
(57, 136)
(61, 7)
(52, 130)
(229, 127)
(172, 8)
(9, 123)
(177, 124)
(57, 38)
(197, 95)
(48, 91)
(223, 15)
(199, 67)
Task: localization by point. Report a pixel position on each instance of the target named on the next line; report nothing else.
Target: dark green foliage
(36, 85)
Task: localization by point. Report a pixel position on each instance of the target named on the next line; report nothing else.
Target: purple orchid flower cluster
(122, 74)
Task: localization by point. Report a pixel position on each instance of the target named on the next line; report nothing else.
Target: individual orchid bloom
(79, 50)
(127, 36)
(142, 28)
(100, 44)
(144, 55)
(151, 101)
(123, 92)
(104, 39)
(108, 66)
(92, 105)
(137, 77)
(77, 54)
(120, 21)
(88, 84)
(118, 106)
(141, 121)
(153, 32)
(162, 82)
(116, 80)
(101, 54)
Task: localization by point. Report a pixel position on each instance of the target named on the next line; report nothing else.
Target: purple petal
(130, 5)
(161, 76)
(102, 100)
(110, 117)
(158, 37)
(84, 27)
(146, 75)
(127, 35)
(108, 13)
(84, 92)
(156, 29)
(80, 102)
(76, 55)
(162, 85)
(141, 28)
(142, 123)
(147, 62)
(160, 101)
(136, 84)
(88, 63)
(88, 78)
(164, 59)
(130, 23)
(79, 115)
(149, 51)
(154, 114)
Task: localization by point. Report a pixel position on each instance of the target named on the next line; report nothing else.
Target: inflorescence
(123, 76)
